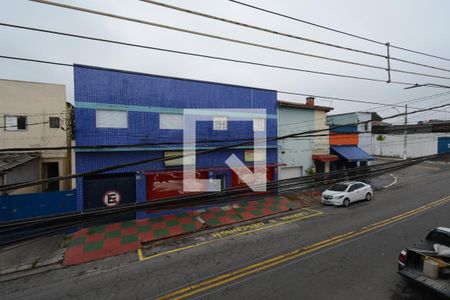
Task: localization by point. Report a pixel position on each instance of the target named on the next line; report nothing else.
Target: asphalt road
(360, 265)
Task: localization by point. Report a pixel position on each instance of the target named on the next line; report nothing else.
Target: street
(360, 267)
(224, 150)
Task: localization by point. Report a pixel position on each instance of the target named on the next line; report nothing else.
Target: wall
(144, 97)
(294, 152)
(27, 172)
(344, 139)
(419, 144)
(364, 139)
(321, 145)
(16, 207)
(38, 101)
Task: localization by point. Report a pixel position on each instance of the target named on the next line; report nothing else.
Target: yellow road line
(251, 269)
(143, 258)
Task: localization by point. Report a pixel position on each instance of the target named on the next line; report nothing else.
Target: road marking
(392, 183)
(430, 168)
(254, 268)
(284, 220)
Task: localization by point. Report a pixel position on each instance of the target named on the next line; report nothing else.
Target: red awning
(325, 157)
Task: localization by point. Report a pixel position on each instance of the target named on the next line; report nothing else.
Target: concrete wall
(26, 172)
(38, 102)
(295, 152)
(419, 144)
(321, 144)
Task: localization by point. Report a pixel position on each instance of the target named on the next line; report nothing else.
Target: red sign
(111, 198)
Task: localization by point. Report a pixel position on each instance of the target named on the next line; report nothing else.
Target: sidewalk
(39, 253)
(102, 241)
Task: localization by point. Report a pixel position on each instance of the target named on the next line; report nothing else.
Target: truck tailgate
(440, 286)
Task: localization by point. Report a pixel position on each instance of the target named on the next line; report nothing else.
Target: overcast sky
(416, 24)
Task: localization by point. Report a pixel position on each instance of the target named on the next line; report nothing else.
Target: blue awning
(352, 153)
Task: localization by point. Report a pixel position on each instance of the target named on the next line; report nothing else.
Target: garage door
(109, 190)
(444, 145)
(290, 172)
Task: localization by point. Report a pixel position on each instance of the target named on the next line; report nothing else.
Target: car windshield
(339, 187)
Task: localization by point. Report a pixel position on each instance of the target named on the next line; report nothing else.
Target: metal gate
(109, 190)
(444, 145)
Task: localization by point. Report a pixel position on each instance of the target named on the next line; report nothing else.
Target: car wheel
(368, 196)
(346, 202)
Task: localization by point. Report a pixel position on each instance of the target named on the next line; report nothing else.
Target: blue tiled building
(143, 114)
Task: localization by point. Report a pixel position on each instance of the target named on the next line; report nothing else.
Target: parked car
(344, 193)
(428, 262)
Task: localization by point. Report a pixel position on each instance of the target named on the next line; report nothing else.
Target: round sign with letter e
(111, 198)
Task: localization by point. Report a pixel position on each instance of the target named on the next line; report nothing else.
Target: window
(170, 121)
(111, 118)
(338, 187)
(259, 124)
(54, 122)
(15, 122)
(190, 160)
(220, 123)
(355, 187)
(255, 155)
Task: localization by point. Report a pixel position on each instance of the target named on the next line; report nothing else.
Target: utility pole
(405, 133)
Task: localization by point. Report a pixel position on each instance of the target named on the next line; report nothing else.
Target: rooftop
(303, 105)
(11, 160)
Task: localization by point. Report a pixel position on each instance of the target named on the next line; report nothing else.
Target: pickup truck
(428, 262)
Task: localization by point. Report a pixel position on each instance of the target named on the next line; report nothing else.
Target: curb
(209, 230)
(56, 263)
(29, 269)
(392, 183)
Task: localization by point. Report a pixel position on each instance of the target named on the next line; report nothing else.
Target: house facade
(138, 116)
(34, 115)
(351, 139)
(299, 156)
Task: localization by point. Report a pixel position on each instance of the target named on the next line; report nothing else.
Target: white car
(344, 193)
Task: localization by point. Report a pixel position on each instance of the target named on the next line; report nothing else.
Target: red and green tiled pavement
(102, 241)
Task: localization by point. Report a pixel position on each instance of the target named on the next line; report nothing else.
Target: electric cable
(128, 164)
(336, 30)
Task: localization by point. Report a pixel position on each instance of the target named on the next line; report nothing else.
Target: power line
(396, 104)
(138, 145)
(336, 30)
(28, 124)
(260, 28)
(227, 147)
(180, 52)
(54, 223)
(229, 60)
(239, 189)
(174, 51)
(31, 114)
(173, 7)
(139, 21)
(36, 61)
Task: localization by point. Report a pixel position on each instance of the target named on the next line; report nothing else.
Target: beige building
(33, 115)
